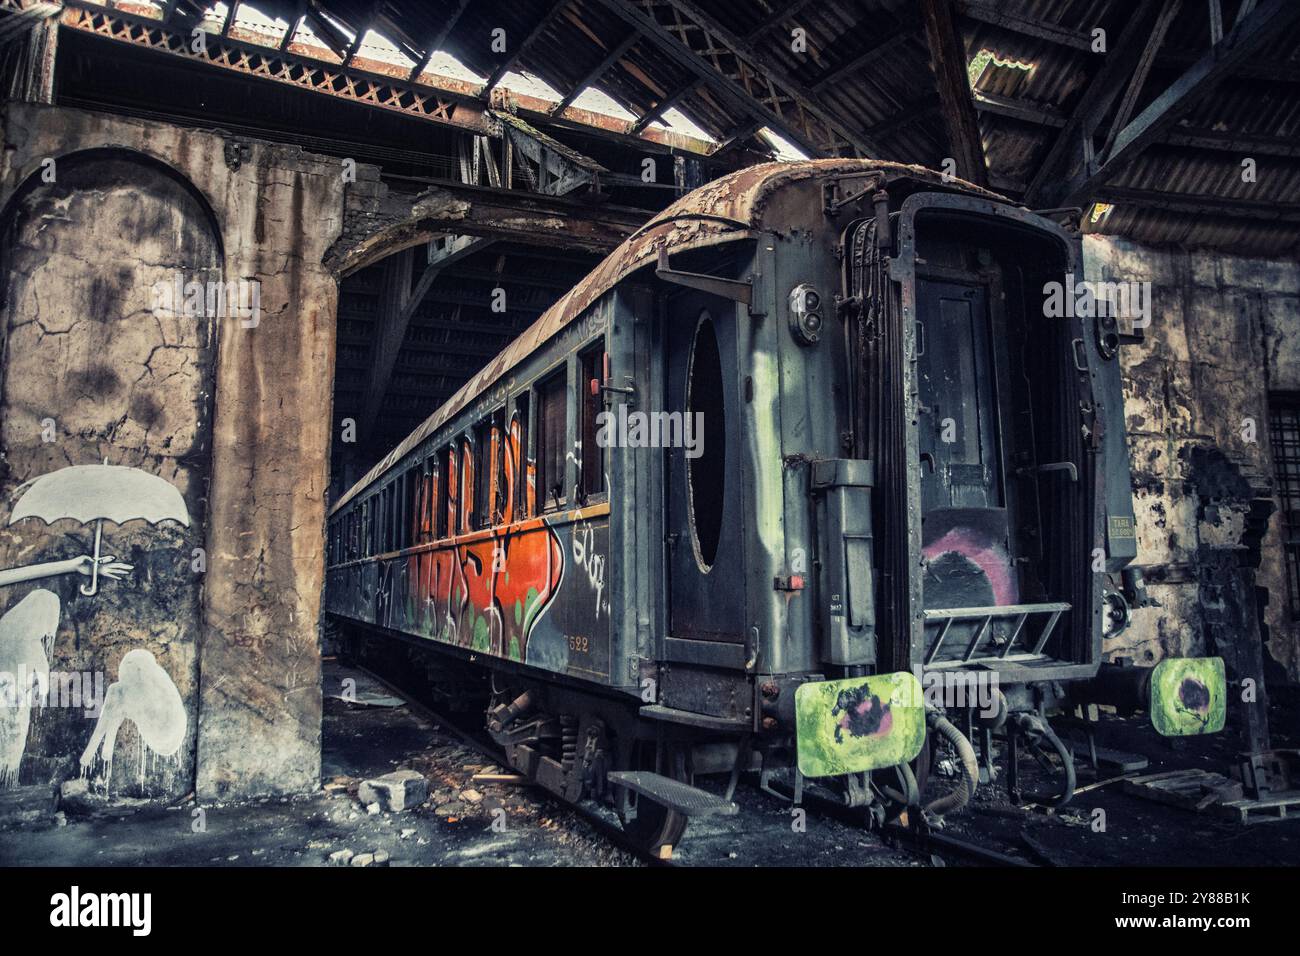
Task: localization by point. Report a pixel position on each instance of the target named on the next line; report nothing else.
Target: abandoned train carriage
(883, 462)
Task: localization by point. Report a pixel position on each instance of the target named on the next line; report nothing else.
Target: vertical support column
(948, 53)
(260, 703)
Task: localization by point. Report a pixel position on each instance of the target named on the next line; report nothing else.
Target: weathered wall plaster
(1222, 335)
(235, 415)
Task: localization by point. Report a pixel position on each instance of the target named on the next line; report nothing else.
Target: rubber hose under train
(960, 796)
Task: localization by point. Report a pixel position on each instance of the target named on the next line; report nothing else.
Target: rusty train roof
(731, 204)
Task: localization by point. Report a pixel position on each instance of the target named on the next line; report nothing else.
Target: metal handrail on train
(1022, 613)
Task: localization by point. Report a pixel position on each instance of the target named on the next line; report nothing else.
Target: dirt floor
(459, 825)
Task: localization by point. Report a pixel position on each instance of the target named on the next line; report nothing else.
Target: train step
(687, 800)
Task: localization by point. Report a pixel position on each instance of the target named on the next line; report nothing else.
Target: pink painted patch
(990, 559)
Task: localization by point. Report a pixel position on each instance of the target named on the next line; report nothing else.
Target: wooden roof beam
(863, 59)
(957, 105)
(802, 97)
(294, 24)
(730, 91)
(596, 72)
(553, 10)
(1128, 102)
(782, 15)
(664, 105)
(1263, 24)
(1096, 99)
(326, 30)
(232, 8)
(1199, 204)
(990, 14)
(438, 40)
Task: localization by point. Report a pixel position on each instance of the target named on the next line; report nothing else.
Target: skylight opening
(678, 122)
(984, 58)
(444, 64)
(530, 85)
(785, 150)
(598, 101)
(376, 46)
(255, 21)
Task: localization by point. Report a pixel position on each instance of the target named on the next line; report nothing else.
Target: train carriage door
(964, 514)
(703, 520)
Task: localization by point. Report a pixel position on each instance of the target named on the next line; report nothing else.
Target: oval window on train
(706, 428)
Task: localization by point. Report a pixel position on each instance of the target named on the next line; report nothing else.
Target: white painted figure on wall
(26, 642)
(143, 693)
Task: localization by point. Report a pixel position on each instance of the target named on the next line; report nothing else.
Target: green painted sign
(1188, 696)
(862, 723)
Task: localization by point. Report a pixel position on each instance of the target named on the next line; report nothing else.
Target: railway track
(921, 844)
(488, 749)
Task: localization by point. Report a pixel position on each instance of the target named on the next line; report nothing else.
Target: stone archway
(94, 372)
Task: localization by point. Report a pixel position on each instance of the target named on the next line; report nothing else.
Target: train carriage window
(707, 473)
(410, 487)
(429, 522)
(386, 521)
(469, 502)
(424, 503)
(552, 427)
(453, 492)
(395, 514)
(483, 517)
(497, 492)
(365, 543)
(381, 522)
(594, 458)
(443, 501)
(399, 512)
(523, 507)
(414, 486)
(400, 498)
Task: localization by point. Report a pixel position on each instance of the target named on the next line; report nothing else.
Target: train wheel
(655, 826)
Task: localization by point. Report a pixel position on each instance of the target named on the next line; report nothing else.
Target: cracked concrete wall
(1222, 335)
(236, 417)
(90, 375)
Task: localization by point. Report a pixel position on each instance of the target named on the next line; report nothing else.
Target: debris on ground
(396, 791)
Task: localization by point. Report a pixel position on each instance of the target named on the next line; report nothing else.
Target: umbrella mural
(143, 693)
(100, 493)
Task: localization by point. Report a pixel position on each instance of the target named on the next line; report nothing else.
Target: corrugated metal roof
(861, 73)
(1044, 61)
